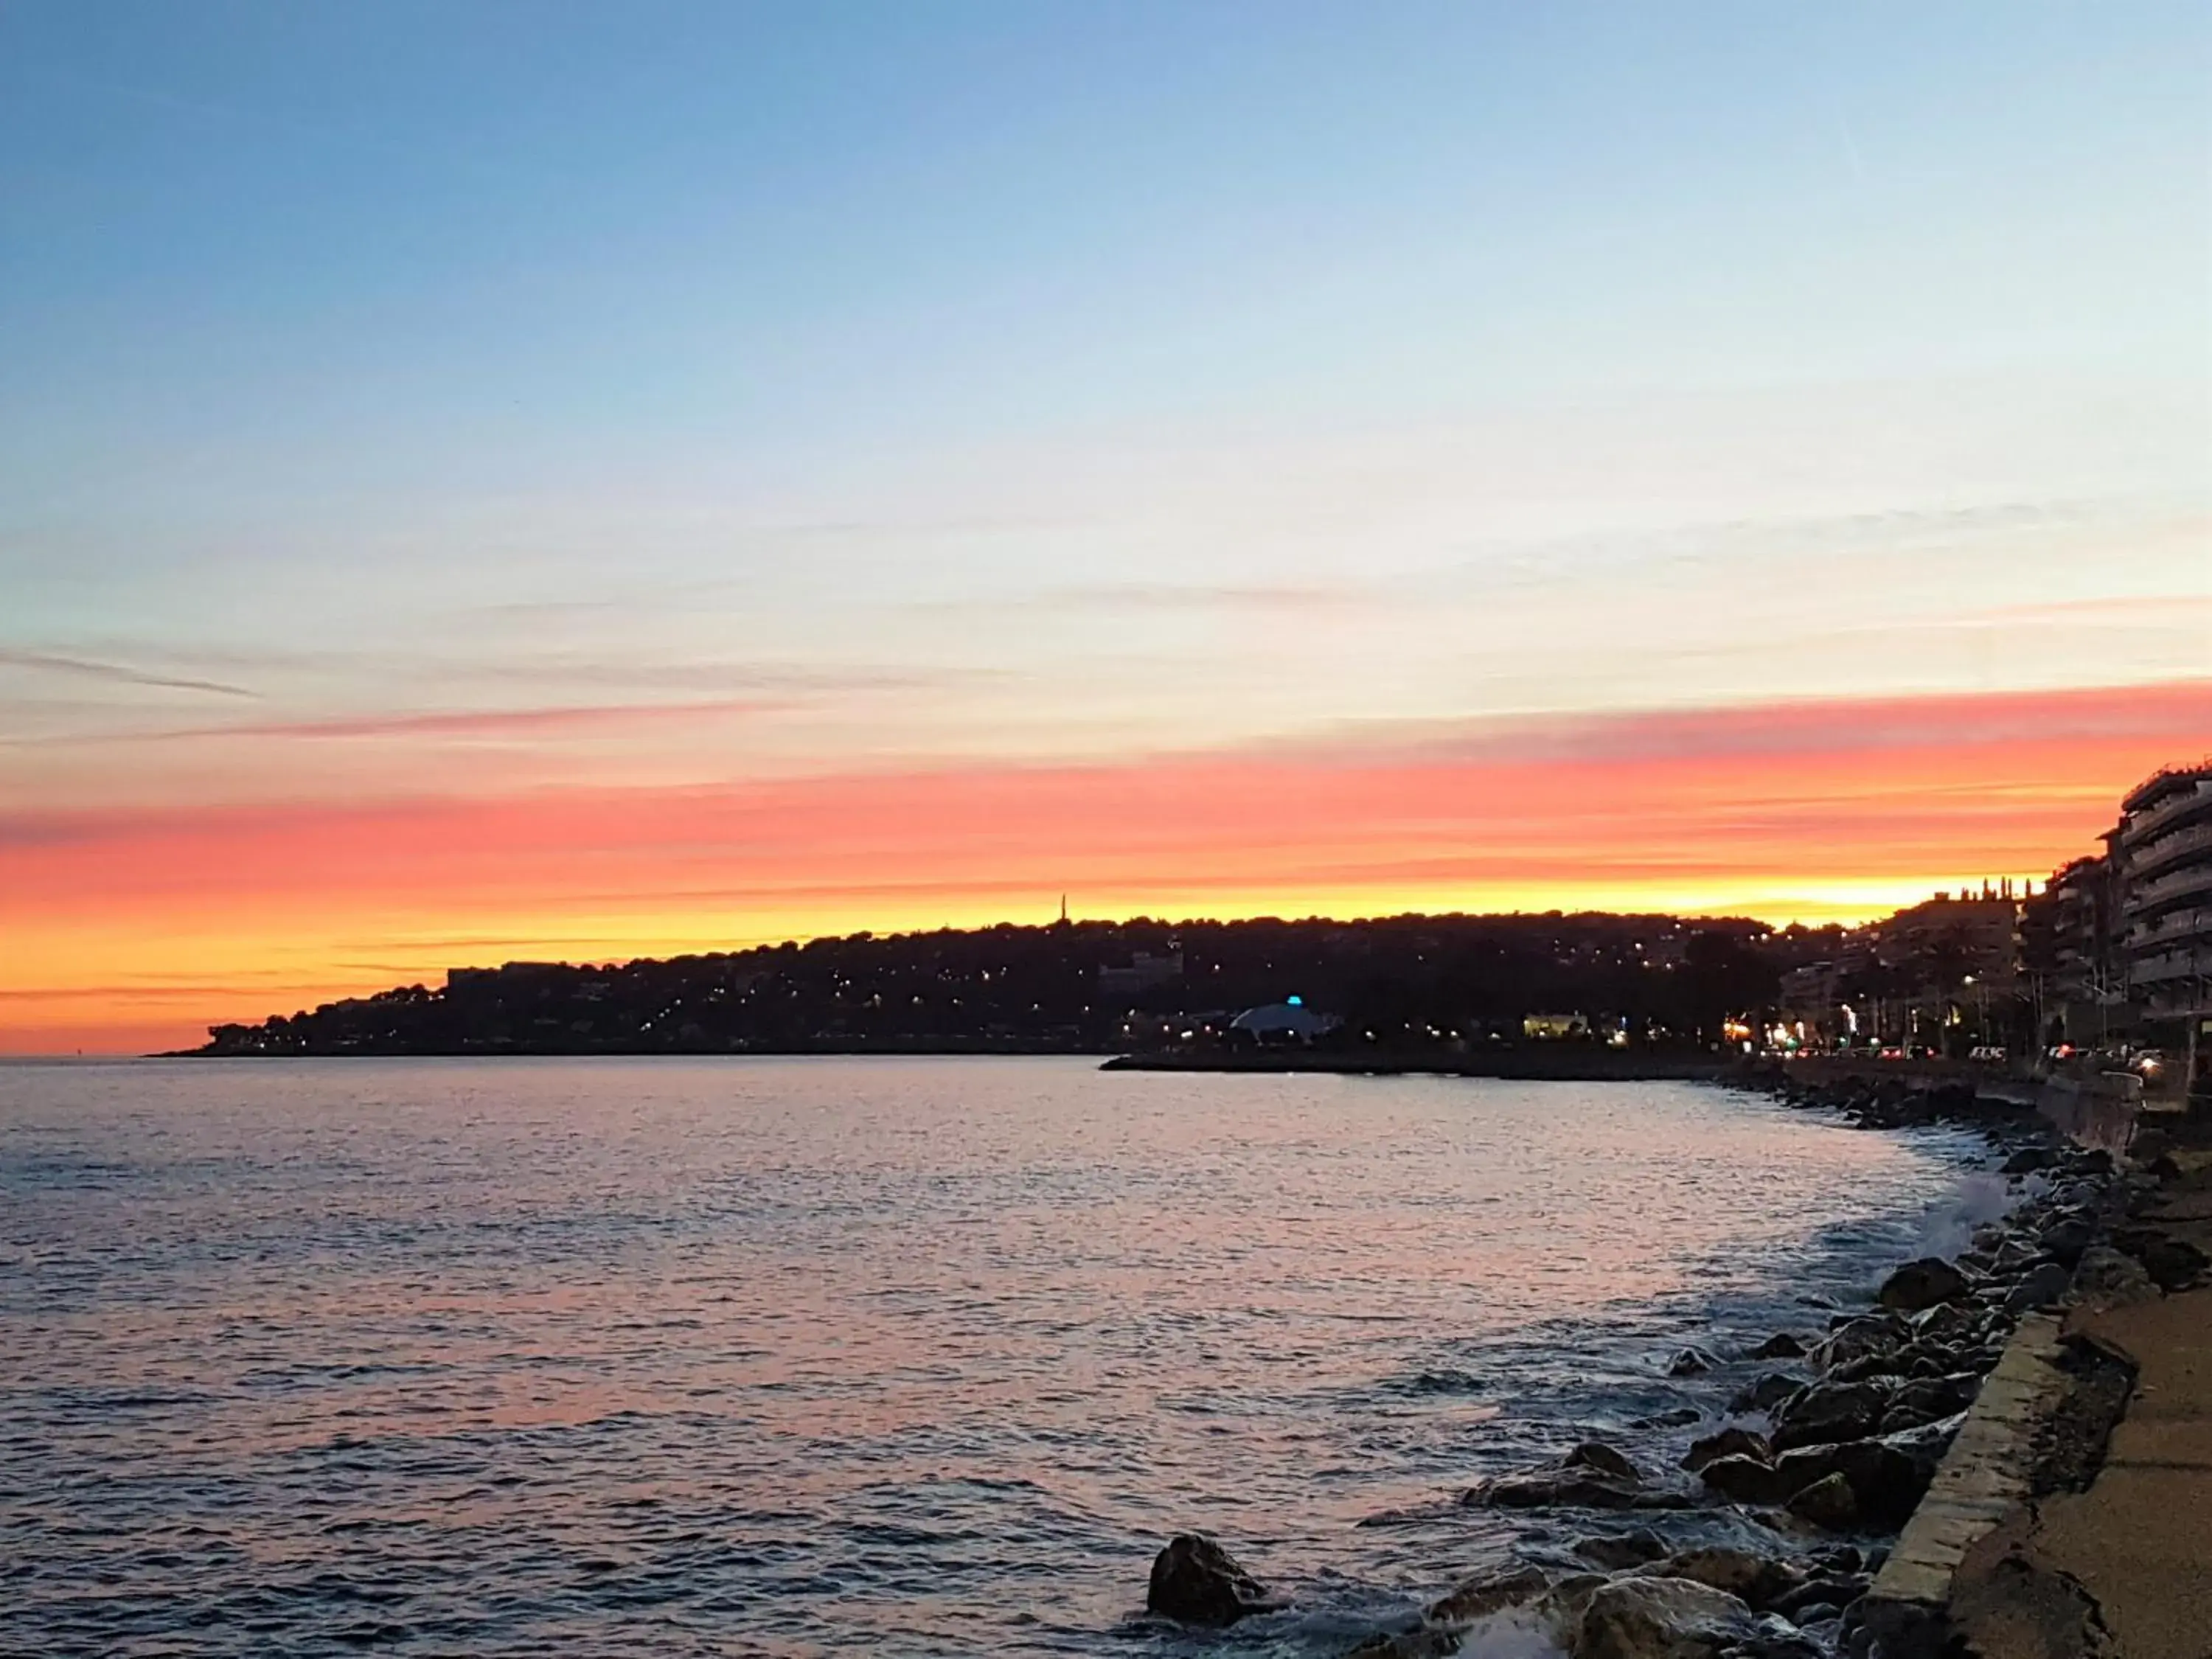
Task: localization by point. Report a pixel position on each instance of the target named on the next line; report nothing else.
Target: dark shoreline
(952, 1048)
(1565, 1064)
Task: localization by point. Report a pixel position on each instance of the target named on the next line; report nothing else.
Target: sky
(591, 481)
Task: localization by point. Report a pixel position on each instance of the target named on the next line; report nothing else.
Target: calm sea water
(665, 1357)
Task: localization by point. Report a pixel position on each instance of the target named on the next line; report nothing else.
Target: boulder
(1581, 1489)
(1729, 1443)
(1870, 1336)
(1835, 1590)
(1591, 1476)
(1929, 1399)
(1780, 1346)
(1485, 1593)
(1764, 1394)
(1744, 1480)
(2173, 1264)
(2042, 1287)
(1828, 1503)
(1419, 1642)
(1614, 1551)
(1888, 1474)
(1781, 1520)
(1946, 1322)
(1777, 1638)
(1829, 1413)
(1932, 1359)
(1690, 1362)
(1596, 1454)
(1923, 1283)
(2079, 1195)
(1756, 1581)
(1926, 1445)
(2029, 1159)
(1197, 1581)
(1410, 1515)
(1559, 1609)
(2106, 1276)
(1644, 1618)
(1873, 1364)
(2066, 1238)
(1681, 1418)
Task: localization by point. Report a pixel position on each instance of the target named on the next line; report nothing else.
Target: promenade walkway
(2138, 1541)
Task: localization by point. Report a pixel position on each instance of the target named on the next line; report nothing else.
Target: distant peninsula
(1394, 989)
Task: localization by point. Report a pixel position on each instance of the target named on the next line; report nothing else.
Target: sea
(616, 1357)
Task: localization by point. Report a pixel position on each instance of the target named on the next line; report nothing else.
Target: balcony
(2148, 861)
(2190, 879)
(2177, 927)
(2183, 804)
(2166, 780)
(2171, 965)
(2178, 992)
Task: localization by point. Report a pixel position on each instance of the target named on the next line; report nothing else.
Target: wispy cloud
(2178, 609)
(611, 670)
(1226, 596)
(1166, 598)
(794, 680)
(1461, 779)
(116, 673)
(475, 723)
(1831, 727)
(1735, 542)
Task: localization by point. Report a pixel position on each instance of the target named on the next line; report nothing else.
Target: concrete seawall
(2097, 1109)
(1984, 1478)
(2072, 1517)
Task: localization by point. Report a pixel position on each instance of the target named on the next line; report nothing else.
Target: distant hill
(1085, 987)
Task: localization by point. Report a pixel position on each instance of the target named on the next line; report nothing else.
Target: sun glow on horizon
(1837, 812)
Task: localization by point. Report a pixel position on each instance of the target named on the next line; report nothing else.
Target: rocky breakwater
(1762, 1540)
(2069, 1519)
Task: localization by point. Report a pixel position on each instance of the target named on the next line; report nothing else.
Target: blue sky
(365, 231)
(357, 326)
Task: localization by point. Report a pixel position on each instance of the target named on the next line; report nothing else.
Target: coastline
(957, 1048)
(1562, 1063)
(1802, 1480)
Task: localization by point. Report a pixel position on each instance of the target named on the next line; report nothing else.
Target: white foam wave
(1511, 1633)
(1948, 1227)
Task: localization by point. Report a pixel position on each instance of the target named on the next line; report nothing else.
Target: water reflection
(638, 1355)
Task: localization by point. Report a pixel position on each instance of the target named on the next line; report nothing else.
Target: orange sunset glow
(134, 929)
